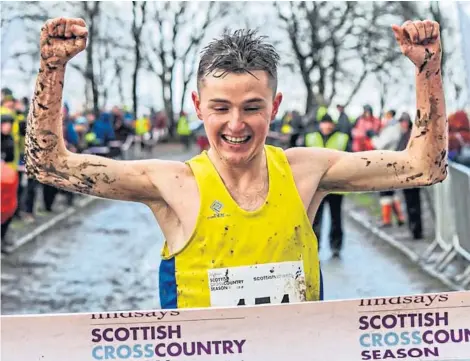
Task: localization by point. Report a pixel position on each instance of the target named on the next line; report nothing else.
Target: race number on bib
(259, 284)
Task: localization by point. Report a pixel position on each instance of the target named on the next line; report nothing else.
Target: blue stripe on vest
(167, 284)
(321, 285)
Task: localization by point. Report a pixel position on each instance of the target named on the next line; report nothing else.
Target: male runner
(237, 218)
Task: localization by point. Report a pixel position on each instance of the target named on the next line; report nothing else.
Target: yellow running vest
(235, 257)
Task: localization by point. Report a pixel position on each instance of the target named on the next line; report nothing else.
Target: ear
(197, 104)
(276, 104)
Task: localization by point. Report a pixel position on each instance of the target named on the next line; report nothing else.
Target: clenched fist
(61, 40)
(420, 41)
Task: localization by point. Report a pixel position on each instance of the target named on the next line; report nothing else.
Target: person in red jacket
(459, 134)
(9, 199)
(367, 122)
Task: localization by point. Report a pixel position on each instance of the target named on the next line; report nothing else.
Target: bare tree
(177, 30)
(138, 21)
(103, 46)
(444, 24)
(26, 17)
(189, 63)
(90, 12)
(118, 61)
(339, 44)
(97, 66)
(451, 53)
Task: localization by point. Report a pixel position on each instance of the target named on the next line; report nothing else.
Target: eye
(252, 109)
(221, 109)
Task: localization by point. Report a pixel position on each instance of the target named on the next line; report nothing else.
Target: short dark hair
(326, 119)
(239, 52)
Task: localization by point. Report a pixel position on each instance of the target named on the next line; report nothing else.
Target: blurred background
(128, 97)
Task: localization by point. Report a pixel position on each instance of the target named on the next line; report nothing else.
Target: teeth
(236, 139)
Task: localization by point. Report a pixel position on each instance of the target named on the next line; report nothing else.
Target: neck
(240, 175)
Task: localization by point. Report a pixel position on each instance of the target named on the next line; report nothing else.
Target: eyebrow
(220, 100)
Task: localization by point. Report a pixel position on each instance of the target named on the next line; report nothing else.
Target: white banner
(419, 327)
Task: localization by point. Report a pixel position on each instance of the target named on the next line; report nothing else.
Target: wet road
(106, 256)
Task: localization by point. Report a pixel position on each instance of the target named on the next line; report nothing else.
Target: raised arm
(47, 159)
(424, 162)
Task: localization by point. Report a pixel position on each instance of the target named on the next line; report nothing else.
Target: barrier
(461, 193)
(445, 229)
(452, 225)
(431, 326)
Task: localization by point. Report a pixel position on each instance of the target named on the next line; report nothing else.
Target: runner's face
(237, 110)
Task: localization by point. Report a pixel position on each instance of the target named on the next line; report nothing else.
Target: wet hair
(241, 51)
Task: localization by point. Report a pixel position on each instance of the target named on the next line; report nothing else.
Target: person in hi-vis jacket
(329, 137)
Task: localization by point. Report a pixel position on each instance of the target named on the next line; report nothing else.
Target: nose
(236, 123)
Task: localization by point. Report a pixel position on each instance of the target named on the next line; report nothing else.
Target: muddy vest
(236, 257)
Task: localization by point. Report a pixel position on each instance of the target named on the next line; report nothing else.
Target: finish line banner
(420, 327)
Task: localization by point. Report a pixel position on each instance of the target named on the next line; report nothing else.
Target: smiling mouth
(236, 140)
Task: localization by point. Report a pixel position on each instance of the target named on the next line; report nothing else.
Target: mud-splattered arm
(47, 159)
(424, 162)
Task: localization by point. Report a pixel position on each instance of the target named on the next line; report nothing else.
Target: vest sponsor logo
(216, 207)
(274, 283)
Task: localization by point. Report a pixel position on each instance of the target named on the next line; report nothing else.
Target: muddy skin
(86, 165)
(367, 161)
(419, 175)
(428, 56)
(423, 133)
(43, 143)
(434, 106)
(428, 141)
(421, 121)
(426, 161)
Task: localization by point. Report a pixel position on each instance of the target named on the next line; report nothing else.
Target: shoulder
(166, 169)
(172, 178)
(312, 157)
(308, 161)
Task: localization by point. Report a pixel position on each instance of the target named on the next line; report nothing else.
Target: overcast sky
(149, 88)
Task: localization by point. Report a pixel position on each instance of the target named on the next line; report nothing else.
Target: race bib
(270, 283)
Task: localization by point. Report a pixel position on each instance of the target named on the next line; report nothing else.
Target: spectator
(366, 122)
(412, 195)
(297, 128)
(328, 137)
(9, 190)
(9, 200)
(72, 142)
(344, 125)
(100, 130)
(8, 143)
(459, 138)
(183, 130)
(388, 139)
